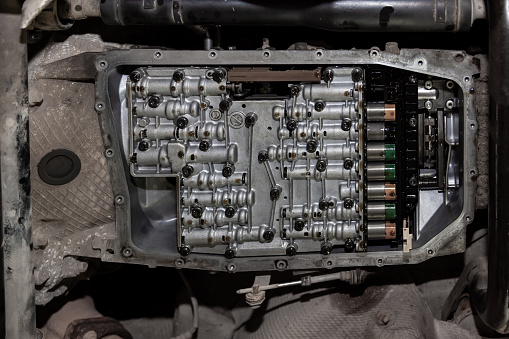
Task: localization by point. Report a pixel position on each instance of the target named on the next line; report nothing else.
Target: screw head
(311, 146)
(349, 245)
(218, 75)
(412, 122)
(412, 79)
(196, 212)
(328, 75)
(250, 119)
(182, 122)
(323, 205)
(225, 105)
(274, 193)
(348, 164)
(154, 101)
(184, 251)
(321, 165)
(135, 76)
(268, 235)
(179, 75)
(412, 181)
(291, 125)
(187, 171)
(127, 252)
(229, 253)
(346, 124)
(291, 250)
(299, 224)
(228, 170)
(294, 91)
(229, 212)
(319, 106)
(428, 84)
(357, 74)
(428, 104)
(348, 203)
(326, 248)
(204, 145)
(143, 146)
(263, 156)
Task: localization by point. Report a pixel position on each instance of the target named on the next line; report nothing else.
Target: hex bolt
(291, 125)
(348, 164)
(268, 235)
(135, 76)
(357, 74)
(197, 212)
(250, 119)
(228, 170)
(319, 106)
(154, 101)
(179, 75)
(143, 146)
(348, 203)
(204, 145)
(326, 248)
(321, 165)
(412, 122)
(323, 205)
(229, 212)
(225, 105)
(299, 224)
(349, 245)
(263, 156)
(294, 91)
(184, 251)
(218, 75)
(187, 171)
(291, 250)
(311, 146)
(229, 253)
(328, 75)
(346, 124)
(182, 122)
(274, 193)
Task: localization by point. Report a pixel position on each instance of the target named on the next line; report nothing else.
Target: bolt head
(299, 225)
(250, 119)
(349, 245)
(184, 251)
(348, 203)
(204, 145)
(229, 253)
(154, 101)
(311, 146)
(328, 75)
(196, 212)
(357, 74)
(412, 122)
(178, 76)
(229, 212)
(143, 146)
(294, 91)
(274, 194)
(346, 124)
(187, 171)
(321, 165)
(225, 105)
(319, 106)
(135, 76)
(323, 205)
(268, 235)
(291, 250)
(428, 104)
(227, 171)
(291, 125)
(182, 122)
(326, 248)
(348, 164)
(218, 75)
(263, 156)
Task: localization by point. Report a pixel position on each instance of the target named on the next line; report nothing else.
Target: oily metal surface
(66, 120)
